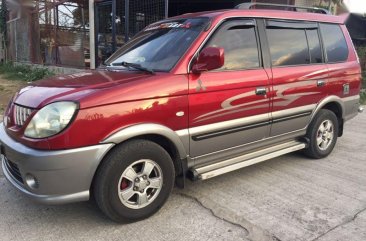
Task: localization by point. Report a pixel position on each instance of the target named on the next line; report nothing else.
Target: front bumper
(61, 176)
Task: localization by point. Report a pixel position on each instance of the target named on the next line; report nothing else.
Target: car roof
(270, 14)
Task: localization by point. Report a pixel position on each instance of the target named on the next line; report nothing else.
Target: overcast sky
(356, 6)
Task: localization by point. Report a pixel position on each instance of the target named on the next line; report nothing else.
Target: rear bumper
(351, 107)
(60, 176)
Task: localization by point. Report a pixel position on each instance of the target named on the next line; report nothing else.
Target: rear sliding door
(299, 74)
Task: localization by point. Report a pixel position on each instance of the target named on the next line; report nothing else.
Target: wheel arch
(161, 135)
(334, 104)
(148, 130)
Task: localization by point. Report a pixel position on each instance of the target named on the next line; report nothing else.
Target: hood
(93, 88)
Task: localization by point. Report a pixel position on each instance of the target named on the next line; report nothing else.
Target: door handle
(320, 83)
(261, 91)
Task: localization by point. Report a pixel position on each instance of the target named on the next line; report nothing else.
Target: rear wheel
(134, 181)
(322, 133)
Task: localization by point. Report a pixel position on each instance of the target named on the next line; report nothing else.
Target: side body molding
(148, 129)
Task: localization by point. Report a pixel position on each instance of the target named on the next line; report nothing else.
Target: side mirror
(209, 59)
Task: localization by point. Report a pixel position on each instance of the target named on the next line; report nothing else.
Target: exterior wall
(49, 32)
(23, 38)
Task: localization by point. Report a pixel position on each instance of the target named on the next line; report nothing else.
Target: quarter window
(240, 44)
(334, 42)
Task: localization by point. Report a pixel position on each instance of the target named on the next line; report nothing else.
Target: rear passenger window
(288, 46)
(334, 43)
(239, 40)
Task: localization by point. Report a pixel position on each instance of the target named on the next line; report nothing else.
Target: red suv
(194, 96)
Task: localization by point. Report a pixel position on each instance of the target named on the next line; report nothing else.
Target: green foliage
(23, 72)
(361, 51)
(363, 97)
(363, 90)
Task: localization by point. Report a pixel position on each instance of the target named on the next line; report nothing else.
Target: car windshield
(159, 46)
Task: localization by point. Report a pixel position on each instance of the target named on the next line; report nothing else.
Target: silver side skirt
(248, 159)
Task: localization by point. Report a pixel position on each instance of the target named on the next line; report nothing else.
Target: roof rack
(286, 7)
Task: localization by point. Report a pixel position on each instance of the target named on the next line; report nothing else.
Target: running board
(248, 159)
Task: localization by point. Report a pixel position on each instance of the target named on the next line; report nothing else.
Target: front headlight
(51, 120)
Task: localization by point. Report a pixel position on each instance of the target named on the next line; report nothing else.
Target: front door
(229, 107)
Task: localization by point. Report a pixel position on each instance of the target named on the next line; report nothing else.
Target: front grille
(21, 114)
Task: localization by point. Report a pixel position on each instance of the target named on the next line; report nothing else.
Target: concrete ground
(288, 198)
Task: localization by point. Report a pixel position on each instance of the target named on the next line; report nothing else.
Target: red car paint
(110, 101)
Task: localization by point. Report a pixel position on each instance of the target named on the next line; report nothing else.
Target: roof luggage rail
(286, 7)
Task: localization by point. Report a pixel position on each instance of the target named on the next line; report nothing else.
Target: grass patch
(27, 73)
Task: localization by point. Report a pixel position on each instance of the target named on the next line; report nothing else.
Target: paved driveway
(287, 198)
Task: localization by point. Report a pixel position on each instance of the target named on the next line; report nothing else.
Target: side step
(248, 159)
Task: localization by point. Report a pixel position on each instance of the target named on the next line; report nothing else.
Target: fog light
(31, 181)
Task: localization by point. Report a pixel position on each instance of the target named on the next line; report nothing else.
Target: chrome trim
(21, 114)
(247, 160)
(148, 129)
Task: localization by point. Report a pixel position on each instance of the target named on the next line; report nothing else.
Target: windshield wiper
(135, 66)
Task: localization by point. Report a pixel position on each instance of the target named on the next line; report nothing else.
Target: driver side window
(239, 40)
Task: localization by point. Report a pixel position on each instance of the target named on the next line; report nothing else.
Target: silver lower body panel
(63, 176)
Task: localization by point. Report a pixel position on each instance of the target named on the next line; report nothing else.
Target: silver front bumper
(62, 176)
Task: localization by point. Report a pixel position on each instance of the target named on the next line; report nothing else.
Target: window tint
(288, 46)
(316, 55)
(334, 43)
(240, 45)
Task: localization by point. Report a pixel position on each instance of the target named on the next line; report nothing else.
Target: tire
(322, 134)
(137, 159)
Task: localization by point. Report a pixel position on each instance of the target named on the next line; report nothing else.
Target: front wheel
(134, 181)
(322, 134)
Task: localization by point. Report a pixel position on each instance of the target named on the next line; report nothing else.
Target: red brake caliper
(124, 184)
